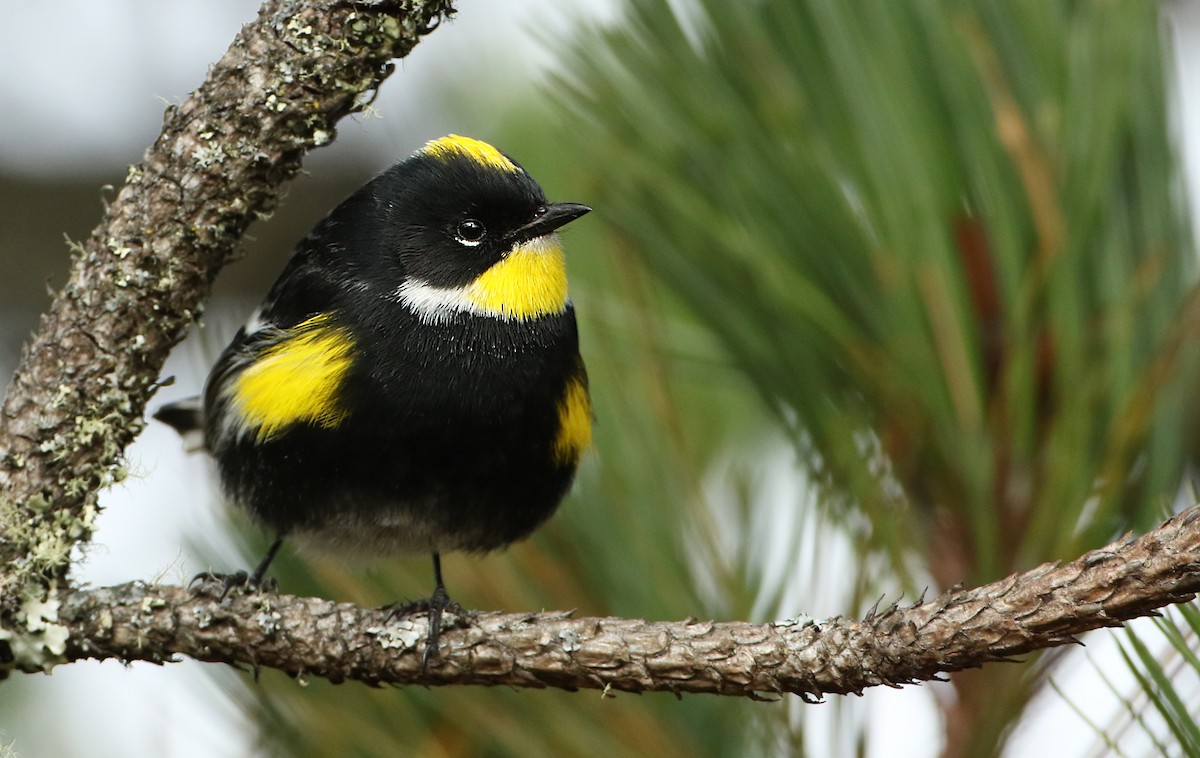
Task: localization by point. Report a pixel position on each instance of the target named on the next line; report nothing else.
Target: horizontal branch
(1042, 608)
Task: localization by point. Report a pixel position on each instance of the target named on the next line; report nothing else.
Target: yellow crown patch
(477, 150)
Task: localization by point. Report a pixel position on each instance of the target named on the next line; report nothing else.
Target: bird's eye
(470, 232)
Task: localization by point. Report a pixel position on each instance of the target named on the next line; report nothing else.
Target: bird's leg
(438, 603)
(260, 571)
(251, 581)
(435, 606)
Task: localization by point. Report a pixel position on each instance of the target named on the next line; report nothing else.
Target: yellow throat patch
(476, 150)
(574, 423)
(530, 281)
(295, 381)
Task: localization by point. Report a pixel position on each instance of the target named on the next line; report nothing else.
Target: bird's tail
(186, 417)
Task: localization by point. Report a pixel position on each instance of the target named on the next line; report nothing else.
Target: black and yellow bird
(412, 382)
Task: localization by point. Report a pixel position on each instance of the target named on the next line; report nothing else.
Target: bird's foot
(247, 584)
(242, 581)
(435, 607)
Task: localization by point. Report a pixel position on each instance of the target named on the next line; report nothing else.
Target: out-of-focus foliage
(944, 238)
(1156, 712)
(946, 241)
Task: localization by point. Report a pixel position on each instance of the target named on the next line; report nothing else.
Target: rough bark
(138, 282)
(1042, 608)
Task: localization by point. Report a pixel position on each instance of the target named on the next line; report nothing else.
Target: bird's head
(474, 233)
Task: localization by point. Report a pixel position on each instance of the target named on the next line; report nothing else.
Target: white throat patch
(529, 282)
(436, 305)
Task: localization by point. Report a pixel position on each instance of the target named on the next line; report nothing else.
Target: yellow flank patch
(295, 381)
(574, 423)
(476, 150)
(530, 281)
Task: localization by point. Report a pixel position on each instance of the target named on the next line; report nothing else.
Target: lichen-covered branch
(138, 282)
(1041, 608)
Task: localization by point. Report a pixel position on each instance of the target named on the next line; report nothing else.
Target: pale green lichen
(268, 620)
(204, 618)
(37, 641)
(62, 393)
(570, 640)
(373, 30)
(75, 248)
(402, 634)
(38, 504)
(298, 28)
(118, 249)
(49, 533)
(206, 156)
(391, 28)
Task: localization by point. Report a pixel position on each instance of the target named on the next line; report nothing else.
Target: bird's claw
(434, 607)
(240, 580)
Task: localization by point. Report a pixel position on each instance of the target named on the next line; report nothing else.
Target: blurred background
(878, 298)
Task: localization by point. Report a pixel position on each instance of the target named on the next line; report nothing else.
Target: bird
(412, 382)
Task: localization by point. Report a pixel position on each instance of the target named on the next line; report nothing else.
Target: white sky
(96, 96)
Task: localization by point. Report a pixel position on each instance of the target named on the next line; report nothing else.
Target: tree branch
(1042, 608)
(138, 282)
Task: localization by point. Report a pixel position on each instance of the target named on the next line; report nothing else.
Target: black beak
(548, 218)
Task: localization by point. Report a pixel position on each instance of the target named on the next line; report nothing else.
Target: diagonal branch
(138, 282)
(1042, 608)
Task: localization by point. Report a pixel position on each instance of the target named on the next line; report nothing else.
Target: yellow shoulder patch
(295, 381)
(530, 281)
(574, 422)
(477, 150)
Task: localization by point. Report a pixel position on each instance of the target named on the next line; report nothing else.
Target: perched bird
(412, 382)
